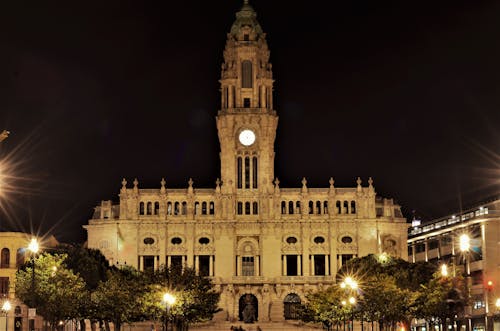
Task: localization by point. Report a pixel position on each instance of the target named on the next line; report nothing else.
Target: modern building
(13, 254)
(468, 241)
(263, 245)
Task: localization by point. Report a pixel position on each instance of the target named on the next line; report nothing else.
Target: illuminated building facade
(470, 242)
(262, 244)
(13, 254)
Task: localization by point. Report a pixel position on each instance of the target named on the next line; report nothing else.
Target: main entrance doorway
(248, 308)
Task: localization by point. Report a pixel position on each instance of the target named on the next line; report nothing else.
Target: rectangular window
(346, 257)
(247, 172)
(433, 244)
(246, 103)
(4, 286)
(291, 265)
(240, 172)
(176, 261)
(254, 166)
(410, 250)
(379, 211)
(419, 248)
(247, 266)
(149, 263)
(319, 265)
(204, 265)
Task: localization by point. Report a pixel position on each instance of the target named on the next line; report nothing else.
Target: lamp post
(464, 245)
(33, 247)
(169, 300)
(5, 308)
(351, 285)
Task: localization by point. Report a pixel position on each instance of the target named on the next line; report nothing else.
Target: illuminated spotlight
(444, 270)
(464, 242)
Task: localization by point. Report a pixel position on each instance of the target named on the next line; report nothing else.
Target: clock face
(247, 137)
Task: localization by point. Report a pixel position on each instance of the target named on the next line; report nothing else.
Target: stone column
(312, 265)
(284, 265)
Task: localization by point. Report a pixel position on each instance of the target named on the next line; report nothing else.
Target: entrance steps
(264, 326)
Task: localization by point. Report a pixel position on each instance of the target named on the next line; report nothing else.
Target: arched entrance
(248, 308)
(292, 304)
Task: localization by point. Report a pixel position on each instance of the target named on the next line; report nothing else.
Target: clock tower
(246, 122)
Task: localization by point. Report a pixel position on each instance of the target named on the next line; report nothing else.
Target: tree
(52, 289)
(92, 266)
(324, 307)
(119, 297)
(388, 288)
(196, 299)
(442, 299)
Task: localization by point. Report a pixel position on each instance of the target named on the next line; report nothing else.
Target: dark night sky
(407, 92)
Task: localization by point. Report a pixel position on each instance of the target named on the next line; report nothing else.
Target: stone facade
(263, 245)
(13, 254)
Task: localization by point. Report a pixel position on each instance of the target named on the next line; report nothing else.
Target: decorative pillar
(197, 264)
(257, 265)
(284, 265)
(299, 266)
(312, 266)
(240, 260)
(141, 263)
(169, 261)
(211, 265)
(327, 265)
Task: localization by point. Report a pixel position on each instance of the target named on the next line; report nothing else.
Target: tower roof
(246, 17)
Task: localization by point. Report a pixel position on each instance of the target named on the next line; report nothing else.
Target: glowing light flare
(497, 303)
(34, 246)
(352, 300)
(464, 241)
(444, 270)
(169, 299)
(6, 306)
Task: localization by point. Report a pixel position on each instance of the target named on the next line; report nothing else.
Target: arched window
(141, 208)
(283, 207)
(240, 173)
(149, 208)
(325, 207)
(247, 208)
(255, 208)
(337, 205)
(203, 208)
(212, 208)
(240, 208)
(353, 207)
(5, 259)
(169, 208)
(254, 168)
(184, 208)
(318, 207)
(292, 306)
(297, 207)
(246, 74)
(311, 207)
(290, 207)
(177, 208)
(346, 207)
(196, 208)
(247, 172)
(157, 208)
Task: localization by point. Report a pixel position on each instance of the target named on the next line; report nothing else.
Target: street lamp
(351, 285)
(5, 308)
(33, 247)
(169, 300)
